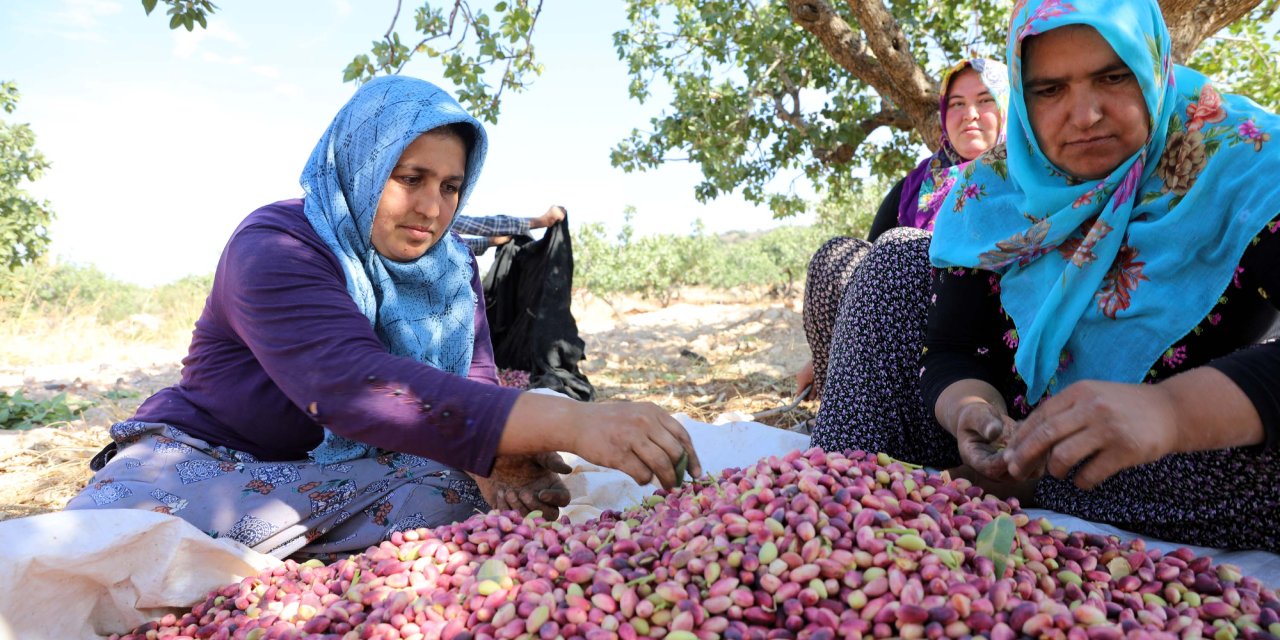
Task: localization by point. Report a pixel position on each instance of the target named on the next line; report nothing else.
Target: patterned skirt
(295, 508)
(871, 398)
(829, 273)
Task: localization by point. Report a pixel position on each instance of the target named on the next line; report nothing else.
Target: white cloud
(342, 7)
(215, 58)
(187, 43)
(79, 20)
(288, 89)
(266, 71)
(84, 14)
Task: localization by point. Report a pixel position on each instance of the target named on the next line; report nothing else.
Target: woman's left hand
(527, 483)
(1113, 426)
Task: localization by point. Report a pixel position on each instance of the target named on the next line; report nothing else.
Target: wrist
(539, 423)
(1207, 410)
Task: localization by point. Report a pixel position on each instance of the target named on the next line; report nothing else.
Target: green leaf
(500, 7)
(175, 21)
(149, 5)
(995, 541)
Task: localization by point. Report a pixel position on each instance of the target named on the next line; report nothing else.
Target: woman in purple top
(340, 382)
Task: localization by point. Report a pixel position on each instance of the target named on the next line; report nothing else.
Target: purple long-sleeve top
(281, 350)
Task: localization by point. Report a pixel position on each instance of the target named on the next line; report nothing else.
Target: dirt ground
(707, 354)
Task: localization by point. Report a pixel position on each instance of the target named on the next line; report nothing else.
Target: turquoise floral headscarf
(423, 309)
(1101, 277)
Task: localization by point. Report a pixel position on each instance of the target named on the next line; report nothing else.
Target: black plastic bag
(527, 294)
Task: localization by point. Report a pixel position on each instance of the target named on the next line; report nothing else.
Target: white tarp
(86, 574)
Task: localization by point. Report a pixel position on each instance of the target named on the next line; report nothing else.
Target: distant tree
(24, 221)
(764, 88)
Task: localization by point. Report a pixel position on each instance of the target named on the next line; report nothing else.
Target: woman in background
(971, 111)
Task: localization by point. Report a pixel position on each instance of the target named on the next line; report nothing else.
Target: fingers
(980, 428)
(804, 380)
(1031, 447)
(686, 445)
(553, 462)
(659, 462)
(556, 497)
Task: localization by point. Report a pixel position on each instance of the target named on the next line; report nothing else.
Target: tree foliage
(24, 221)
(765, 92)
(482, 51)
(184, 13)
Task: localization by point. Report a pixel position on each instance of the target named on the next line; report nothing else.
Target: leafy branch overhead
(758, 92)
(184, 13)
(470, 43)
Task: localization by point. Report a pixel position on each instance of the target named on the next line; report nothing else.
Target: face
(1084, 103)
(973, 117)
(420, 197)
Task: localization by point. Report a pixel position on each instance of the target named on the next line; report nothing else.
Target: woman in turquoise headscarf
(971, 113)
(340, 383)
(1105, 281)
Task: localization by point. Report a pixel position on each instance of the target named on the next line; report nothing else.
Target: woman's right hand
(639, 439)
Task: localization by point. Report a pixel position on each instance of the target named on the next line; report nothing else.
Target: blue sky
(162, 141)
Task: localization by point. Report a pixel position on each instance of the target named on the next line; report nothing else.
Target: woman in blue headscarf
(971, 112)
(340, 383)
(1105, 281)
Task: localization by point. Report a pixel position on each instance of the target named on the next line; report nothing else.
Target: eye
(409, 180)
(1116, 78)
(450, 187)
(1047, 91)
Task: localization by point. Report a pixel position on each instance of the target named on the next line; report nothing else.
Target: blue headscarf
(423, 309)
(1100, 277)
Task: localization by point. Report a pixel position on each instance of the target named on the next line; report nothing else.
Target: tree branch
(884, 61)
(1191, 21)
(887, 117)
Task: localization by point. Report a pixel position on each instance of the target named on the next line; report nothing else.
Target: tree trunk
(1191, 21)
(877, 53)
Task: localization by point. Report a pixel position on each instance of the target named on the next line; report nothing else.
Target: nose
(428, 205)
(1085, 109)
(968, 112)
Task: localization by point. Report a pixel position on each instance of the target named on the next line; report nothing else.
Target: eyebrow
(955, 97)
(419, 169)
(1113, 67)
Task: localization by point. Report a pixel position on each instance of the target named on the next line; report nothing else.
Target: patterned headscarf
(925, 187)
(1102, 276)
(423, 309)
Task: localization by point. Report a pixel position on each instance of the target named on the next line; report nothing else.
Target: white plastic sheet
(87, 574)
(720, 446)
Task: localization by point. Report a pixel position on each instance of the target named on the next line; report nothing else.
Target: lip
(417, 232)
(1085, 143)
